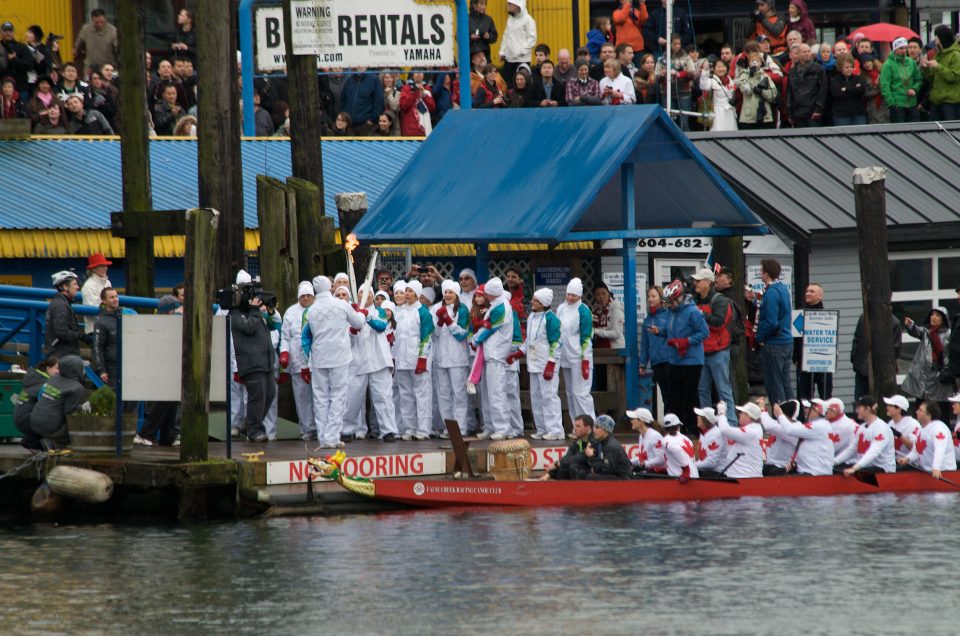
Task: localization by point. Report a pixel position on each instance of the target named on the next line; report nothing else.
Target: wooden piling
(201, 241)
(869, 190)
(277, 215)
(728, 252)
(218, 139)
(310, 237)
(351, 206)
(135, 145)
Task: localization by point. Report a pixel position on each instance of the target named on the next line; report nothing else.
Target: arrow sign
(797, 325)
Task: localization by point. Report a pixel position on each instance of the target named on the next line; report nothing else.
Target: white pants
(437, 425)
(513, 401)
(303, 398)
(545, 404)
(329, 401)
(398, 414)
(497, 417)
(238, 404)
(483, 395)
(579, 398)
(270, 419)
(380, 384)
(452, 396)
(416, 402)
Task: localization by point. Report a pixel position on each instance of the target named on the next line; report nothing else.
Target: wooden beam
(218, 138)
(135, 144)
(147, 224)
(309, 227)
(197, 333)
(869, 191)
(14, 129)
(277, 215)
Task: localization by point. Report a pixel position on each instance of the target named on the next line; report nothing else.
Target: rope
(951, 135)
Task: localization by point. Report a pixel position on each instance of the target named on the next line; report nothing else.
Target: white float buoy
(81, 484)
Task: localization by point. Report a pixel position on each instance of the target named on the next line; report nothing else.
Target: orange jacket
(628, 29)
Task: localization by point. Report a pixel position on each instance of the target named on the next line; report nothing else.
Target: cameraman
(255, 356)
(416, 104)
(759, 104)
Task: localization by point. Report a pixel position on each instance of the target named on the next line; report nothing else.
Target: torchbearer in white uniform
(399, 300)
(513, 376)
(371, 368)
(411, 351)
(542, 349)
(293, 359)
(468, 288)
(238, 392)
(496, 336)
(576, 356)
(451, 361)
(327, 338)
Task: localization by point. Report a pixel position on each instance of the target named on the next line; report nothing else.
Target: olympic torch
(349, 245)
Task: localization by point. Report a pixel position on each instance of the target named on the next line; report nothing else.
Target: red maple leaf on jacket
(921, 445)
(687, 447)
(940, 435)
(834, 437)
(714, 446)
(730, 442)
(862, 444)
(879, 437)
(702, 454)
(771, 440)
(659, 444)
(643, 456)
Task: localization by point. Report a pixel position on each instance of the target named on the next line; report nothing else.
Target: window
(919, 283)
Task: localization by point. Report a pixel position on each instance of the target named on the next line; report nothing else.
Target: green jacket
(898, 75)
(945, 77)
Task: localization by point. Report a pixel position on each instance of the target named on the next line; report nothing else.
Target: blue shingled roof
(75, 183)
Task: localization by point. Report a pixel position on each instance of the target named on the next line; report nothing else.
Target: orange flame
(351, 243)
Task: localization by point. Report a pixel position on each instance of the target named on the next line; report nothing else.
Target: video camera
(237, 296)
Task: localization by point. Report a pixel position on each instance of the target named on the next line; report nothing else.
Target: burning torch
(350, 245)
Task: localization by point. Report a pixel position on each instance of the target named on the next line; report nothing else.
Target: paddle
(867, 478)
(943, 479)
(732, 462)
(727, 480)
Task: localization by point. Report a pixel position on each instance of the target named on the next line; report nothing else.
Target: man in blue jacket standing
(362, 99)
(774, 335)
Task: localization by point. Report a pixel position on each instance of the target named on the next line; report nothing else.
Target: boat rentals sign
(373, 33)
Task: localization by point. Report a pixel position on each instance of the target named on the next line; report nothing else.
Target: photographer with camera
(416, 104)
(759, 93)
(255, 353)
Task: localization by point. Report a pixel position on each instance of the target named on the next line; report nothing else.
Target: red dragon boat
(434, 493)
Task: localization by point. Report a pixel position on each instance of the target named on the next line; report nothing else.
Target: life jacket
(719, 338)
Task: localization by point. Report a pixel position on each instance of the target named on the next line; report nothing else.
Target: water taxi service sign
(820, 341)
(373, 33)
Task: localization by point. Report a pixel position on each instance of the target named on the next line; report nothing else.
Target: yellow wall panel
(554, 23)
(53, 16)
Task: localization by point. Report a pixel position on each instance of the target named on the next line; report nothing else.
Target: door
(666, 270)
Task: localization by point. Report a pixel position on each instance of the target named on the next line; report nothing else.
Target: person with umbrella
(900, 81)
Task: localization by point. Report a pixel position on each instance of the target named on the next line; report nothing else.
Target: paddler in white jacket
(742, 441)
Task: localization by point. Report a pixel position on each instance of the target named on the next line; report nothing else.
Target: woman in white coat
(412, 365)
(451, 359)
(371, 369)
(721, 88)
(576, 358)
(293, 359)
(542, 350)
(327, 339)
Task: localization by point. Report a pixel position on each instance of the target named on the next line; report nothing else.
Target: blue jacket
(654, 349)
(775, 314)
(686, 322)
(595, 40)
(362, 98)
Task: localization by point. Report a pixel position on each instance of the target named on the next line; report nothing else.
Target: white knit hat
(575, 287)
(544, 295)
(382, 294)
(899, 43)
(304, 289)
(468, 272)
(321, 284)
(429, 294)
(342, 275)
(450, 285)
(493, 287)
(416, 286)
(400, 286)
(388, 304)
(344, 288)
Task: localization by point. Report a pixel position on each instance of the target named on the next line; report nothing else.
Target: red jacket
(719, 338)
(409, 115)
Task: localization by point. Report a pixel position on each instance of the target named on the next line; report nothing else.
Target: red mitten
(391, 338)
(237, 378)
(585, 369)
(305, 374)
(486, 324)
(353, 331)
(549, 370)
(421, 366)
(283, 378)
(513, 357)
(364, 312)
(284, 359)
(685, 475)
(442, 316)
(477, 324)
(355, 306)
(680, 344)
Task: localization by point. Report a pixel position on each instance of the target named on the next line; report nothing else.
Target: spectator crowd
(781, 77)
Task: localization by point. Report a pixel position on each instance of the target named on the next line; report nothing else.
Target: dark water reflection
(884, 564)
